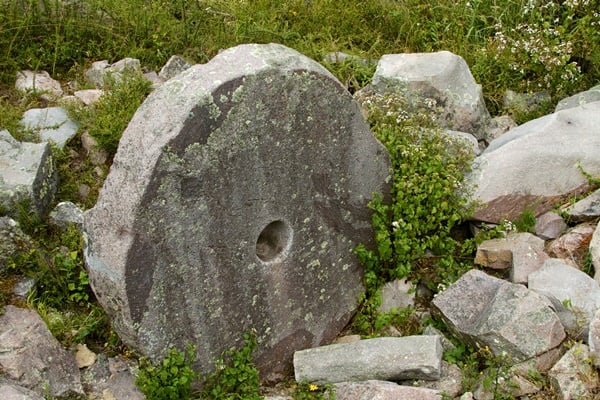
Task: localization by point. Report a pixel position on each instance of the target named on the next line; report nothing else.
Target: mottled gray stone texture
(236, 197)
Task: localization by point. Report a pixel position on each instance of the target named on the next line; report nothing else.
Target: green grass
(509, 44)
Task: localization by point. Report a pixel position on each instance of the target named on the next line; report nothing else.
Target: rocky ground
(534, 305)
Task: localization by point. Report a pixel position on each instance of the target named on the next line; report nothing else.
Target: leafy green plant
(170, 379)
(235, 376)
(370, 322)
(526, 221)
(414, 232)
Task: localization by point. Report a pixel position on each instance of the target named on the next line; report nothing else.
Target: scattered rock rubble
(522, 319)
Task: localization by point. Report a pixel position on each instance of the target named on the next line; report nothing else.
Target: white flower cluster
(545, 39)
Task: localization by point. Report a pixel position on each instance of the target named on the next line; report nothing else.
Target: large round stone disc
(236, 198)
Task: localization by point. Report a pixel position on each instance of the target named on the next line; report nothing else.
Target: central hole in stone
(273, 241)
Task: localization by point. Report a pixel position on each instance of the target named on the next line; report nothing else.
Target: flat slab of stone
(506, 317)
(536, 165)
(27, 173)
(522, 252)
(234, 203)
(567, 283)
(384, 358)
(382, 390)
(33, 358)
(586, 209)
(52, 124)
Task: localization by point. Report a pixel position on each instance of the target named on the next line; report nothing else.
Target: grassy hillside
(523, 45)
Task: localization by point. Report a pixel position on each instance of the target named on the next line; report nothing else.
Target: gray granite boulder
(174, 66)
(65, 214)
(33, 358)
(384, 358)
(536, 165)
(573, 376)
(102, 70)
(397, 294)
(442, 82)
(549, 225)
(567, 284)
(594, 338)
(508, 318)
(51, 124)
(12, 391)
(234, 203)
(39, 82)
(522, 253)
(588, 96)
(382, 390)
(12, 240)
(586, 209)
(27, 174)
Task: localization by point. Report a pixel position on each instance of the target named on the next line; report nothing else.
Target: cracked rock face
(236, 197)
(508, 318)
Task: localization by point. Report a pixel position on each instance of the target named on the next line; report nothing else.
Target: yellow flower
(312, 387)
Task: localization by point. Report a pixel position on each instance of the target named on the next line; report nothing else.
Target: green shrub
(526, 221)
(235, 376)
(170, 379)
(414, 232)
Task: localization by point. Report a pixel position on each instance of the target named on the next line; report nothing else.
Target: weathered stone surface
(523, 253)
(66, 213)
(468, 139)
(52, 124)
(442, 77)
(12, 240)
(110, 379)
(573, 244)
(565, 283)
(384, 358)
(588, 96)
(397, 295)
(102, 70)
(450, 382)
(497, 127)
(525, 102)
(173, 66)
(38, 82)
(573, 377)
(586, 209)
(88, 96)
(594, 338)
(27, 173)
(236, 196)
(382, 390)
(537, 164)
(549, 225)
(506, 317)
(11, 391)
(22, 287)
(33, 358)
(96, 154)
(594, 249)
